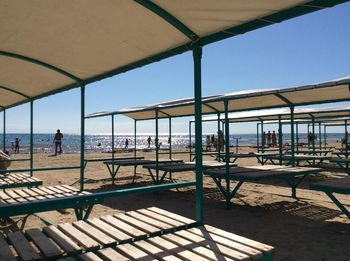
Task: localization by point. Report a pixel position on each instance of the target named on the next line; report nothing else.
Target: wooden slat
(94, 233)
(130, 230)
(137, 223)
(3, 195)
(133, 252)
(62, 240)
(252, 252)
(81, 238)
(44, 244)
(210, 253)
(46, 190)
(155, 251)
(170, 221)
(11, 193)
(149, 220)
(5, 251)
(234, 254)
(89, 257)
(110, 254)
(175, 249)
(24, 249)
(172, 215)
(109, 230)
(243, 240)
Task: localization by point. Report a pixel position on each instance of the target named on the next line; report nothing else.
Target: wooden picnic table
(292, 175)
(312, 160)
(143, 234)
(16, 180)
(135, 163)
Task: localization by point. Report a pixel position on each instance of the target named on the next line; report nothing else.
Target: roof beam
(211, 107)
(169, 18)
(14, 91)
(166, 114)
(284, 99)
(41, 63)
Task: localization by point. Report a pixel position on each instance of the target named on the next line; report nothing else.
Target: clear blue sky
(304, 50)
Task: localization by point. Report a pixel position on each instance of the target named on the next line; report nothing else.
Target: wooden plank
(109, 230)
(155, 251)
(66, 189)
(234, 254)
(89, 257)
(243, 240)
(175, 249)
(5, 251)
(149, 220)
(133, 252)
(209, 253)
(71, 188)
(94, 233)
(24, 249)
(66, 243)
(21, 193)
(31, 192)
(162, 218)
(172, 215)
(38, 191)
(130, 230)
(110, 254)
(137, 223)
(81, 238)
(46, 190)
(12, 194)
(3, 195)
(252, 252)
(44, 244)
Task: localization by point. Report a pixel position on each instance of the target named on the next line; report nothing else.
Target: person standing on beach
(126, 144)
(264, 139)
(269, 139)
(58, 141)
(274, 139)
(17, 140)
(149, 140)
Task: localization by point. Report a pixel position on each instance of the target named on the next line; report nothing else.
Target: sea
(43, 143)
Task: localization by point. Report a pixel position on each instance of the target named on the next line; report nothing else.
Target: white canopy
(327, 92)
(51, 46)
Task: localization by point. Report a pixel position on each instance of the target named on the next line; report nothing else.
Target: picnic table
(16, 180)
(339, 186)
(170, 168)
(86, 161)
(143, 234)
(258, 155)
(312, 152)
(292, 175)
(133, 162)
(312, 160)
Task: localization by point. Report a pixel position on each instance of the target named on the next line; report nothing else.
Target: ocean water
(102, 142)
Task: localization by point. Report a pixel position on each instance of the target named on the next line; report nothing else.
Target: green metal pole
(197, 57)
(346, 139)
(112, 116)
(135, 138)
(319, 135)
(227, 154)
(218, 147)
(170, 139)
(190, 138)
(262, 137)
(4, 131)
(313, 134)
(297, 135)
(257, 136)
(325, 136)
(280, 138)
(82, 135)
(31, 137)
(308, 131)
(292, 135)
(157, 146)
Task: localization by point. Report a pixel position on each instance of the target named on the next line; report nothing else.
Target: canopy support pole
(113, 148)
(308, 140)
(190, 138)
(227, 153)
(4, 131)
(31, 138)
(313, 135)
(319, 135)
(280, 138)
(263, 137)
(346, 140)
(218, 146)
(297, 134)
(170, 139)
(197, 61)
(135, 138)
(156, 142)
(325, 136)
(292, 135)
(257, 137)
(82, 135)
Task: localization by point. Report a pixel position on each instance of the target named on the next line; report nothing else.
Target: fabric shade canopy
(51, 46)
(327, 92)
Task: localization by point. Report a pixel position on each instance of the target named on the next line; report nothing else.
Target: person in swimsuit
(58, 142)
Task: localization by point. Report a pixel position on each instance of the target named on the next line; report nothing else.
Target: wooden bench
(339, 186)
(292, 175)
(312, 160)
(144, 234)
(16, 180)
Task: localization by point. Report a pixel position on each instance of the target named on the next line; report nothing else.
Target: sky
(304, 50)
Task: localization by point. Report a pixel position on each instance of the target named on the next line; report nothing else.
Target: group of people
(269, 139)
(214, 143)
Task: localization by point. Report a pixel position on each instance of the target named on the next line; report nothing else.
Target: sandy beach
(310, 228)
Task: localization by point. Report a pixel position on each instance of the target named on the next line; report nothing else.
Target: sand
(310, 228)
